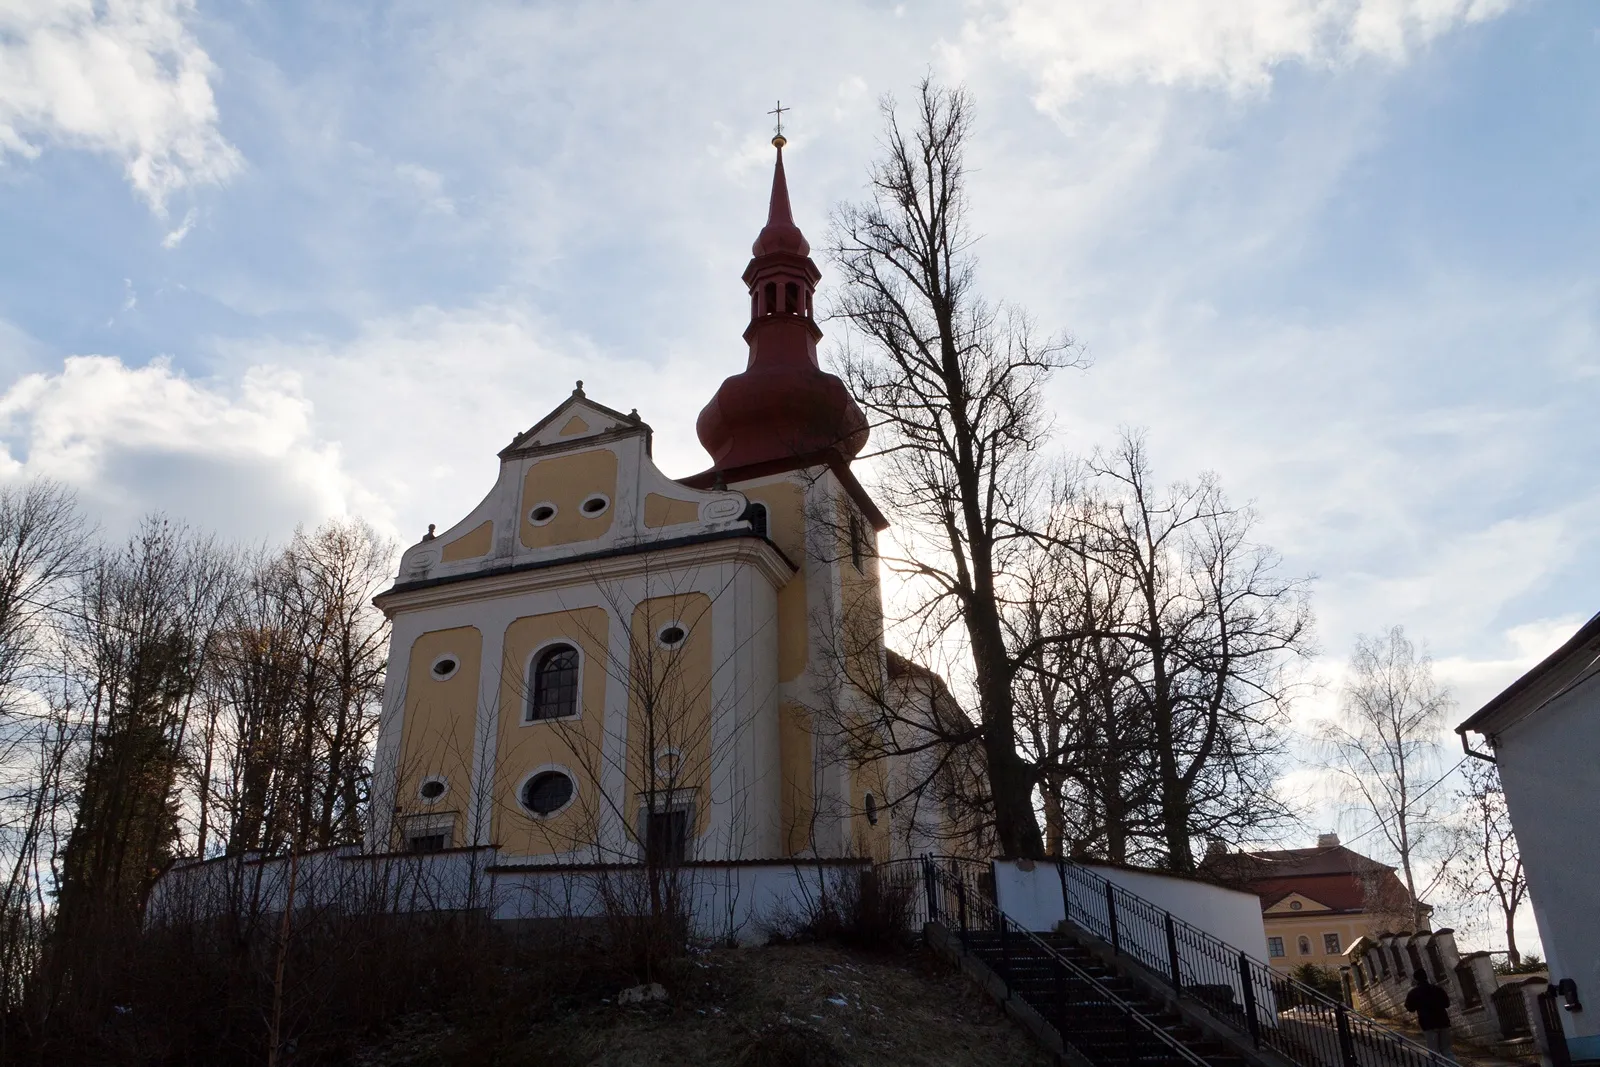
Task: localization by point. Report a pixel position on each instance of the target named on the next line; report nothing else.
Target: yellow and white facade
(599, 661)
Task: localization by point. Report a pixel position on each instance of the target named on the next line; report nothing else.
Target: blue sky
(265, 263)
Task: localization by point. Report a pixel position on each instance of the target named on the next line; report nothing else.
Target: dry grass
(781, 1006)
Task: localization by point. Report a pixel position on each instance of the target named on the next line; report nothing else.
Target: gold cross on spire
(778, 137)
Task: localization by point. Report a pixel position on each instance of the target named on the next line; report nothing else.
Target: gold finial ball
(779, 141)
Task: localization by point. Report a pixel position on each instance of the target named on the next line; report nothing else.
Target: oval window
(547, 792)
(542, 513)
(432, 789)
(595, 505)
(672, 636)
(872, 810)
(444, 667)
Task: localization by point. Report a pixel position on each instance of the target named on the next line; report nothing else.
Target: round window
(595, 505)
(671, 636)
(445, 667)
(1294, 905)
(542, 513)
(547, 792)
(432, 789)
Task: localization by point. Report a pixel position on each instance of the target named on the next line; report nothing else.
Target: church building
(601, 663)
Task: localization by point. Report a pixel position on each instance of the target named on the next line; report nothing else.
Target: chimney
(1327, 840)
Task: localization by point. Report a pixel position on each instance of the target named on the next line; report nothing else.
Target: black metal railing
(1275, 1011)
(1085, 1013)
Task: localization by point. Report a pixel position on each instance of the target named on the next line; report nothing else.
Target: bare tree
(141, 624)
(291, 698)
(1492, 866)
(1386, 749)
(1208, 627)
(952, 383)
(1079, 707)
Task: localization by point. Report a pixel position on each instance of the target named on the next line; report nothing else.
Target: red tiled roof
(1332, 875)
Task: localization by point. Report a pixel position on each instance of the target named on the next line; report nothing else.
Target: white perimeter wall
(1033, 899)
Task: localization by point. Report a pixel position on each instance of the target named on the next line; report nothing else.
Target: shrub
(859, 909)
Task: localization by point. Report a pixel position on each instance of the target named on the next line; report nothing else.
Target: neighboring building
(1543, 733)
(1315, 902)
(940, 790)
(602, 663)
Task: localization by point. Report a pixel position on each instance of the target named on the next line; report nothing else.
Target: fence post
(1066, 895)
(928, 883)
(1248, 981)
(1111, 917)
(1347, 1047)
(1005, 950)
(1172, 954)
(961, 905)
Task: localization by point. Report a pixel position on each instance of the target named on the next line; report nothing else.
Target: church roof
(783, 411)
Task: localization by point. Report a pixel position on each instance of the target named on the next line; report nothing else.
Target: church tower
(603, 664)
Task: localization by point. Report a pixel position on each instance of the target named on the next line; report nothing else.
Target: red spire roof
(783, 411)
(780, 234)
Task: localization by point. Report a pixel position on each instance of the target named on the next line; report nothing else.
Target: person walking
(1432, 1005)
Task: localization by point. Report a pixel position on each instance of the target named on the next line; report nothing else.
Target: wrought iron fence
(1084, 1012)
(1277, 1012)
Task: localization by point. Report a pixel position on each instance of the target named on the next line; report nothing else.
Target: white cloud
(1204, 44)
(175, 237)
(241, 458)
(123, 77)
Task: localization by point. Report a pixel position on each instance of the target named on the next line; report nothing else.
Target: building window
(1275, 947)
(666, 837)
(553, 689)
(791, 299)
(542, 514)
(757, 514)
(445, 667)
(426, 843)
(872, 810)
(546, 793)
(772, 298)
(432, 789)
(1305, 945)
(595, 505)
(671, 635)
(1294, 905)
(1330, 945)
(855, 541)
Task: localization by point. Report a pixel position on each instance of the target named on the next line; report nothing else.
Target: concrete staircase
(1135, 1025)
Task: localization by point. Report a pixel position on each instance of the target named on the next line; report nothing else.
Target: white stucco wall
(1033, 898)
(1550, 767)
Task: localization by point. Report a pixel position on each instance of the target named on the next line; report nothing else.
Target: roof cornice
(630, 561)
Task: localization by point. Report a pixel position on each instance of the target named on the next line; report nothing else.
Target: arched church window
(791, 299)
(872, 810)
(757, 514)
(772, 298)
(553, 688)
(808, 303)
